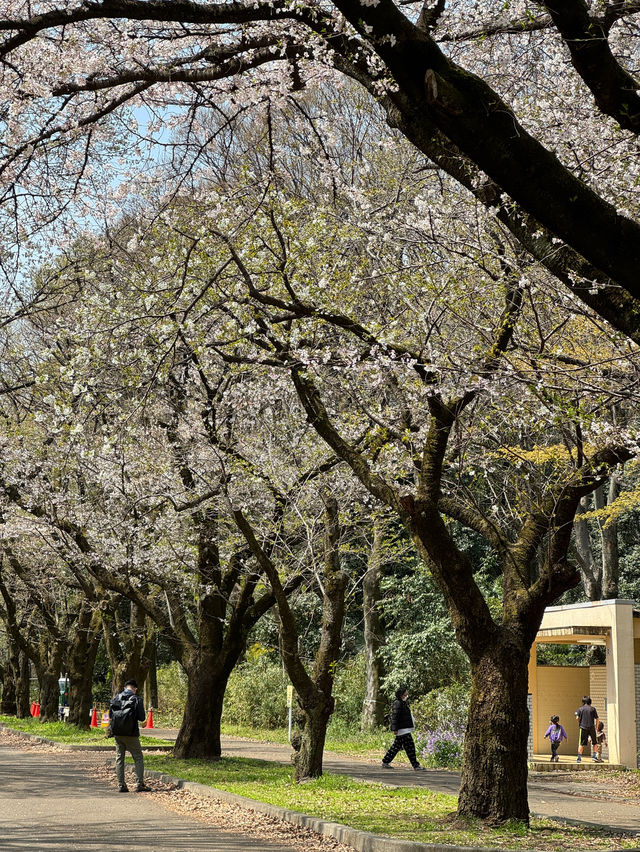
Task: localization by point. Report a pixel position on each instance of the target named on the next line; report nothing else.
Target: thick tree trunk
(310, 737)
(80, 703)
(22, 681)
(373, 708)
(80, 685)
(8, 704)
(199, 735)
(49, 694)
(118, 676)
(494, 776)
(81, 661)
(126, 641)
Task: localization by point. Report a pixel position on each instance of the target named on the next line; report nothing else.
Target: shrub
(172, 690)
(441, 717)
(256, 694)
(443, 708)
(441, 747)
(348, 690)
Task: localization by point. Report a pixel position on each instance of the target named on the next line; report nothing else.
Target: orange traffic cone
(37, 710)
(149, 722)
(94, 718)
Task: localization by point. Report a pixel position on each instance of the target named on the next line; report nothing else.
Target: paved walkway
(551, 794)
(48, 805)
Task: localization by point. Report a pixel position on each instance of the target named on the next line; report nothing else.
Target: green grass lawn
(407, 813)
(62, 732)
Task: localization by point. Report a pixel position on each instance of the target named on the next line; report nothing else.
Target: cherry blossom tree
(313, 688)
(496, 101)
(62, 631)
(472, 426)
(498, 651)
(554, 165)
(124, 486)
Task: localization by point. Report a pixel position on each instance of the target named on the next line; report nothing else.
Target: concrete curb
(576, 767)
(363, 841)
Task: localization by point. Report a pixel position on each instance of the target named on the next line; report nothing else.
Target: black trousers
(405, 742)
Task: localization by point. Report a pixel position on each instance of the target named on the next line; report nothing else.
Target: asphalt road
(47, 804)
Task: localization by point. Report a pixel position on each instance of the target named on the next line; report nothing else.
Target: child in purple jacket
(556, 734)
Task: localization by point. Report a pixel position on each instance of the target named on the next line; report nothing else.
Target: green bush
(256, 695)
(172, 690)
(349, 690)
(442, 708)
(442, 747)
(257, 692)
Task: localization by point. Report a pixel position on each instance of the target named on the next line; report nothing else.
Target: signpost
(290, 706)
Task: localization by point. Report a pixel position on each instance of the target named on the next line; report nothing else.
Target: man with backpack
(125, 711)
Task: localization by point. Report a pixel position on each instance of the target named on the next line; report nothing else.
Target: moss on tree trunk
(494, 775)
(310, 738)
(199, 734)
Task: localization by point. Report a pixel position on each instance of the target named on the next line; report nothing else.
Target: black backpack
(124, 715)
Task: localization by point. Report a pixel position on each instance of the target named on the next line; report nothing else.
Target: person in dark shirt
(586, 716)
(402, 725)
(131, 743)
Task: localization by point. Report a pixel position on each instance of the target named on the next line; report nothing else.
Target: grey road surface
(48, 805)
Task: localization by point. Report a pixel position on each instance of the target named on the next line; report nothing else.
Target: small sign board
(289, 696)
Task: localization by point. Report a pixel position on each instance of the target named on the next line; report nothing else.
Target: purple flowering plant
(441, 746)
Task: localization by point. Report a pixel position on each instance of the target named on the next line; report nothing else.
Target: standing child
(556, 734)
(601, 740)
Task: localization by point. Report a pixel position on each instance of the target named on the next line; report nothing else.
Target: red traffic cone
(37, 710)
(94, 718)
(149, 722)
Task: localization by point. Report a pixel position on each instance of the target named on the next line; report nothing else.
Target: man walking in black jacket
(130, 743)
(402, 725)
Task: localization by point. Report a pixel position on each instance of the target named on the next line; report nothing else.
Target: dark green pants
(131, 745)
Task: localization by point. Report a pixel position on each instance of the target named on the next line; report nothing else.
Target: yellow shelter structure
(614, 687)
